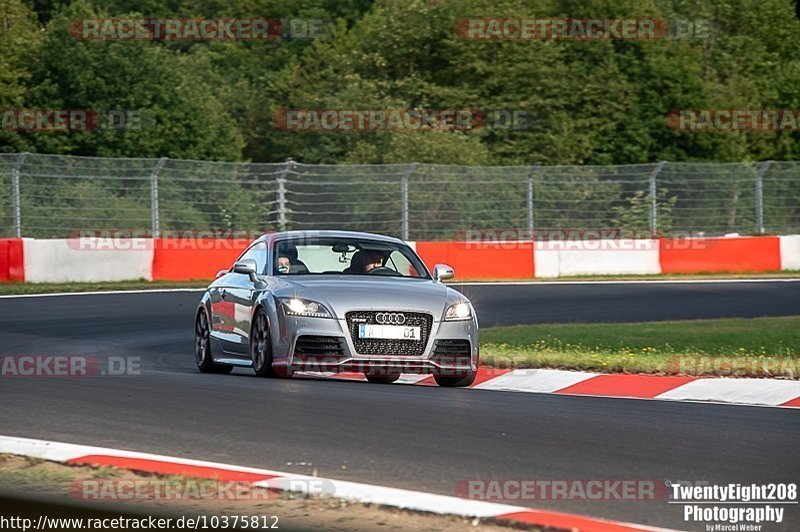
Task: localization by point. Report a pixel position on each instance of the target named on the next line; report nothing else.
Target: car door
(238, 297)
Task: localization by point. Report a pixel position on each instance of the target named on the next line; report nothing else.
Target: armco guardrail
(56, 196)
(97, 259)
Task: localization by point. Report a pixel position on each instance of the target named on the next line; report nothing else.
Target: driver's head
(372, 260)
(289, 252)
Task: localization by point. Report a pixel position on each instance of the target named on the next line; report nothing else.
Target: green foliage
(635, 216)
(595, 102)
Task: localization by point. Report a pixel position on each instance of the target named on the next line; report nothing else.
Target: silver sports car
(336, 301)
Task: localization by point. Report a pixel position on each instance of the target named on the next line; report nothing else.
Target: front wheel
(202, 346)
(261, 345)
(455, 382)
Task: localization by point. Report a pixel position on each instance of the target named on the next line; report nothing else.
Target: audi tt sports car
(332, 301)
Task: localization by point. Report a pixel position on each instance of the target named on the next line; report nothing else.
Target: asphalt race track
(422, 438)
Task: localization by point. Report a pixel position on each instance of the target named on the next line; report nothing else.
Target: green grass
(760, 347)
(49, 288)
(142, 284)
(702, 276)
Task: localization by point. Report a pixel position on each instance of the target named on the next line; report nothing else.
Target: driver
(374, 259)
(365, 261)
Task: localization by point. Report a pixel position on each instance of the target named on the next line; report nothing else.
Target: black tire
(202, 346)
(455, 382)
(382, 379)
(261, 345)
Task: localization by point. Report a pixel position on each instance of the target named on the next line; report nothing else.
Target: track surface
(421, 438)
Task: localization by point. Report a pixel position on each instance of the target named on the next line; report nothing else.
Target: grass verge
(757, 347)
(136, 494)
(52, 288)
(142, 284)
(699, 276)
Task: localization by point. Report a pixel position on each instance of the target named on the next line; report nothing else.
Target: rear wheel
(455, 382)
(382, 379)
(202, 346)
(261, 345)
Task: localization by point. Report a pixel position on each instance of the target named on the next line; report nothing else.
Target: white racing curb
(353, 491)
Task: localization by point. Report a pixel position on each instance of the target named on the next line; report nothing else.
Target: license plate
(388, 332)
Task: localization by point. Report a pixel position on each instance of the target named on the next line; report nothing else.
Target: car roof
(281, 235)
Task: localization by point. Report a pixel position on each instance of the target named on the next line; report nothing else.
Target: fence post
(404, 199)
(283, 218)
(654, 198)
(154, 217)
(762, 169)
(529, 198)
(15, 195)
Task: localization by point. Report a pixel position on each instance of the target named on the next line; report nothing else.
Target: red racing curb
(169, 468)
(793, 403)
(623, 385)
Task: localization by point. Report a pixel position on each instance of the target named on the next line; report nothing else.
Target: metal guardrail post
(529, 199)
(404, 199)
(654, 197)
(15, 195)
(283, 213)
(154, 210)
(762, 169)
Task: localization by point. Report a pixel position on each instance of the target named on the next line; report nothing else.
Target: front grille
(386, 347)
(452, 353)
(319, 346)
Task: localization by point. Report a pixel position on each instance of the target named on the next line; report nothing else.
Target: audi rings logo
(390, 318)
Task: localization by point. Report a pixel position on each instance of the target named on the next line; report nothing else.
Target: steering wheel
(382, 270)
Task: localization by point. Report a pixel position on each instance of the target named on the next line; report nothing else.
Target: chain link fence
(54, 196)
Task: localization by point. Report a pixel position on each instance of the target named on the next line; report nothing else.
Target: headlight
(294, 306)
(459, 311)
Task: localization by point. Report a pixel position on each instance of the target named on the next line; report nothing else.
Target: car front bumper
(456, 362)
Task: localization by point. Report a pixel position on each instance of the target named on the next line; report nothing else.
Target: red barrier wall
(741, 254)
(11, 260)
(177, 259)
(509, 260)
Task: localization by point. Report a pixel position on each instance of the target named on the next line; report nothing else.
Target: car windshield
(346, 256)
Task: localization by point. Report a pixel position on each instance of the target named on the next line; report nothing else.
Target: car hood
(345, 293)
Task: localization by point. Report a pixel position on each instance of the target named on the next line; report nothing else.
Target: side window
(257, 253)
(398, 262)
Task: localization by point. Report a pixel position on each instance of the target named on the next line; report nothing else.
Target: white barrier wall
(597, 257)
(87, 259)
(790, 252)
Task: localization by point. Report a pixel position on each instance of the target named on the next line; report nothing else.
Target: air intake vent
(319, 346)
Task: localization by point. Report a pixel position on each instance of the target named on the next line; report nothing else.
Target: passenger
(295, 264)
(284, 265)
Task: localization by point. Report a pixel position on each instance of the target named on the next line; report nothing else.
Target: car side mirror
(246, 267)
(442, 272)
